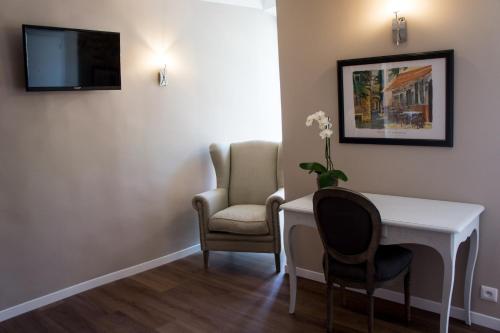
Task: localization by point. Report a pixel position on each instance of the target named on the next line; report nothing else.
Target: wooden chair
(349, 225)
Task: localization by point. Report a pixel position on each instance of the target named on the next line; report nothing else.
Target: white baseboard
(416, 302)
(96, 282)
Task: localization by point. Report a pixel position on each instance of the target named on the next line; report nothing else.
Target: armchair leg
(407, 297)
(206, 254)
(277, 260)
(370, 310)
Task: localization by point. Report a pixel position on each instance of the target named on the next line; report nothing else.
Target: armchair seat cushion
(240, 219)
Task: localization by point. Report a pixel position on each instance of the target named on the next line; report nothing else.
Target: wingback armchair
(242, 213)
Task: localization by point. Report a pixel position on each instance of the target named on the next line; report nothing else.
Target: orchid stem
(329, 163)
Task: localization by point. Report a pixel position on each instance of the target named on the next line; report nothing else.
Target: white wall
(92, 182)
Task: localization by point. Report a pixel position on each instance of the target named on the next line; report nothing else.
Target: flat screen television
(71, 59)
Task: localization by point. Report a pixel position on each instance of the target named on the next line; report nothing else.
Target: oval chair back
(349, 225)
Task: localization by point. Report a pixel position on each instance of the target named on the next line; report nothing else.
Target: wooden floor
(239, 293)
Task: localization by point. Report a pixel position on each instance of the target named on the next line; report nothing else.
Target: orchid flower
(327, 176)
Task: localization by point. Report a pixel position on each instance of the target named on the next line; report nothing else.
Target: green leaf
(326, 179)
(339, 174)
(331, 178)
(313, 167)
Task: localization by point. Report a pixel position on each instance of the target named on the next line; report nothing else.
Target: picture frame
(404, 99)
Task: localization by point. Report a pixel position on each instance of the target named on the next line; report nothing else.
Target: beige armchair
(241, 215)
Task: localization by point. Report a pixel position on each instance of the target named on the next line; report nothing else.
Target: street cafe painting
(402, 99)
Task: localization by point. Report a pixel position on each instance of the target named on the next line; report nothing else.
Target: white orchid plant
(326, 175)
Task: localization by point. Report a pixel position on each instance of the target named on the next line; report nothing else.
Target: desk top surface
(444, 216)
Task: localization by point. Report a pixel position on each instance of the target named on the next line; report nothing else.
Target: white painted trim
(267, 4)
(93, 283)
(416, 302)
(272, 11)
(242, 3)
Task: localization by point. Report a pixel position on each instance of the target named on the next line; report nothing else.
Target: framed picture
(398, 100)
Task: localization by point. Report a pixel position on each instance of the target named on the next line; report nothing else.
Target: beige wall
(93, 182)
(313, 35)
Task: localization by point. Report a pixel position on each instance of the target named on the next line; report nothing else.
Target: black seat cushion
(390, 261)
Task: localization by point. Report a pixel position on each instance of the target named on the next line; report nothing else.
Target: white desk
(441, 225)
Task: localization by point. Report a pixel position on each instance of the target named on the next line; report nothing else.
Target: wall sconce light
(162, 75)
(399, 31)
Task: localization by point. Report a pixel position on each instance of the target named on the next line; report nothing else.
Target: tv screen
(71, 59)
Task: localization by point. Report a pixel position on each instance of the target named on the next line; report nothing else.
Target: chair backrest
(250, 170)
(349, 225)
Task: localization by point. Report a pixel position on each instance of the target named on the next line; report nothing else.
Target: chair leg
(370, 310)
(277, 260)
(407, 297)
(329, 307)
(344, 300)
(206, 254)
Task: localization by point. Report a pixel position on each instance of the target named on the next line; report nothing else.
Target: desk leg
(290, 264)
(471, 263)
(448, 254)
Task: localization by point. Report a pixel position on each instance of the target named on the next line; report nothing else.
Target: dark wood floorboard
(239, 293)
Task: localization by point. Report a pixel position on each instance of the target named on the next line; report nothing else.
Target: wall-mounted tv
(71, 59)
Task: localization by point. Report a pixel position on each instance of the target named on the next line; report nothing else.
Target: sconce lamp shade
(399, 30)
(163, 76)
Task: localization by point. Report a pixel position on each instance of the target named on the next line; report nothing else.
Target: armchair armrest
(211, 201)
(276, 199)
(273, 203)
(207, 204)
